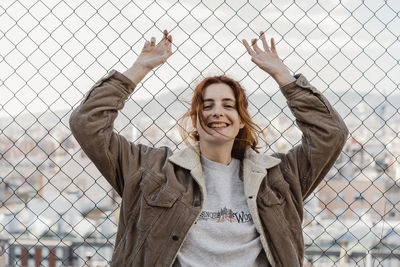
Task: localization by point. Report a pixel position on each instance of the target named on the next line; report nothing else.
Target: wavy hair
(247, 136)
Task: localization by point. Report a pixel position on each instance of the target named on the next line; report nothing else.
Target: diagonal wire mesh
(57, 210)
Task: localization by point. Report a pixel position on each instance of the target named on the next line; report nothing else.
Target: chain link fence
(57, 210)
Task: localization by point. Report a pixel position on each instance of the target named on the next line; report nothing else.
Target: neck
(217, 153)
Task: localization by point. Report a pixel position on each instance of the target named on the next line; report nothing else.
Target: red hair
(247, 136)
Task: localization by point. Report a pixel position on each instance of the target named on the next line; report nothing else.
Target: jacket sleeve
(324, 135)
(92, 124)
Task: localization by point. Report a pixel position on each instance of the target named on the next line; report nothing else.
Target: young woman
(218, 202)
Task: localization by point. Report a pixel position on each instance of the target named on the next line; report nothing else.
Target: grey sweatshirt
(224, 234)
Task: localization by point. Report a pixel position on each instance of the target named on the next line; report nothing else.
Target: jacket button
(196, 203)
(153, 196)
(304, 83)
(250, 197)
(175, 237)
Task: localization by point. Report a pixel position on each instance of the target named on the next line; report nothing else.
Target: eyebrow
(224, 99)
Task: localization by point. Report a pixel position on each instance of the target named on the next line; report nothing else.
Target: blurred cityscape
(57, 210)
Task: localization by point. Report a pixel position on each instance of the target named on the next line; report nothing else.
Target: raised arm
(324, 132)
(92, 122)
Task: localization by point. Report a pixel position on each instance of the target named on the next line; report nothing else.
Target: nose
(217, 111)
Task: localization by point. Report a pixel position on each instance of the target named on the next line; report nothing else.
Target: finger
(255, 46)
(273, 47)
(167, 45)
(152, 41)
(248, 48)
(166, 42)
(146, 44)
(264, 41)
(167, 39)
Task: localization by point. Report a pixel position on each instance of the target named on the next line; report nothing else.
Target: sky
(52, 52)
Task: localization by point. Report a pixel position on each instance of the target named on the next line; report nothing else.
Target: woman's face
(222, 119)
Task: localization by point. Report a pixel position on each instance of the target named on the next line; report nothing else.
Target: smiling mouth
(216, 125)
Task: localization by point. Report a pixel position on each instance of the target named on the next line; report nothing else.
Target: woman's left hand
(268, 60)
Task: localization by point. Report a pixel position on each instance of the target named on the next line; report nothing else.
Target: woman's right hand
(152, 55)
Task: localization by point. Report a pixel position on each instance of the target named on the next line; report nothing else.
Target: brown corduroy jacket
(163, 192)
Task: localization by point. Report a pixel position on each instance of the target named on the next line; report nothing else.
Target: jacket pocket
(157, 198)
(160, 197)
(156, 191)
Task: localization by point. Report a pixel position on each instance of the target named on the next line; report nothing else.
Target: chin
(216, 137)
(219, 140)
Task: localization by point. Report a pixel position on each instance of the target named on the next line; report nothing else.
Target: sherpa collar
(189, 158)
(254, 167)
